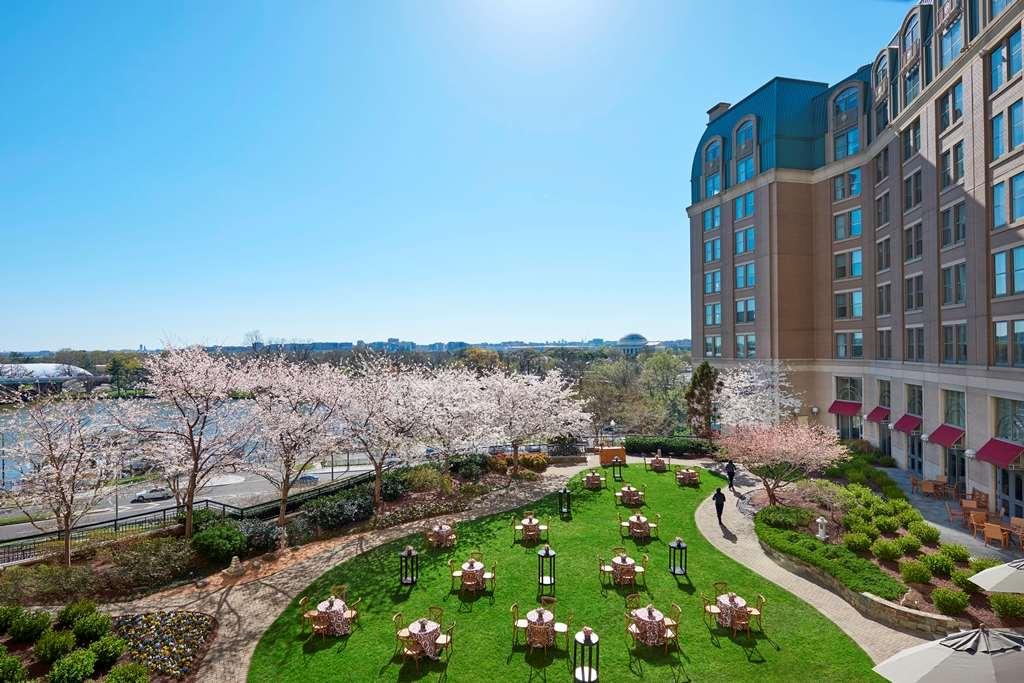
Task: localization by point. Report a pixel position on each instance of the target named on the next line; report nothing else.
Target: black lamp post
(564, 502)
(617, 469)
(408, 566)
(677, 557)
(586, 655)
(546, 569)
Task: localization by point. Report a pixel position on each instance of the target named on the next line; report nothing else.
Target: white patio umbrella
(1004, 578)
(977, 656)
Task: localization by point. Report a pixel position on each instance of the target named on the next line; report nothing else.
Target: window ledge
(952, 246)
(948, 307)
(1009, 154)
(957, 185)
(952, 128)
(1007, 85)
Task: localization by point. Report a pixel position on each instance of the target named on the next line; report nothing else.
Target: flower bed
(168, 643)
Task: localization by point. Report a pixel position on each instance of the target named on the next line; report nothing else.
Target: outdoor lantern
(408, 566)
(586, 655)
(564, 502)
(617, 469)
(677, 557)
(546, 569)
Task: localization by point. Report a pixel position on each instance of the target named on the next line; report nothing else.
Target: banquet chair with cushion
(306, 616)
(529, 514)
(432, 539)
(351, 614)
(411, 649)
(674, 614)
(623, 527)
(721, 587)
(634, 601)
(671, 635)
(604, 570)
(544, 530)
(618, 551)
(401, 632)
(632, 630)
(711, 610)
(627, 575)
(476, 555)
(518, 624)
(446, 641)
(548, 601)
(537, 636)
(757, 612)
(491, 576)
(517, 529)
(436, 613)
(340, 591)
(653, 526)
(321, 625)
(641, 569)
(564, 629)
(741, 621)
(470, 582)
(456, 573)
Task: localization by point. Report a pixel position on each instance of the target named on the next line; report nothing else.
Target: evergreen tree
(700, 399)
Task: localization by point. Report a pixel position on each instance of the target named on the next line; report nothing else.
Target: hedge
(678, 446)
(352, 505)
(854, 572)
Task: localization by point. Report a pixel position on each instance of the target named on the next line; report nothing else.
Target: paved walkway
(934, 510)
(736, 538)
(246, 610)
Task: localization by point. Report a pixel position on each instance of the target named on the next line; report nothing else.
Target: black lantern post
(546, 569)
(586, 655)
(677, 557)
(564, 502)
(408, 566)
(617, 469)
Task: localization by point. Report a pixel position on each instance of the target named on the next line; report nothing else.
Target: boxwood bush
(8, 613)
(76, 667)
(129, 672)
(926, 532)
(53, 645)
(677, 446)
(218, 543)
(940, 564)
(908, 517)
(856, 573)
(91, 627)
(858, 543)
(887, 524)
(108, 650)
(980, 564)
(955, 552)
(909, 544)
(913, 571)
(951, 601)
(1007, 605)
(28, 626)
(869, 530)
(352, 505)
(71, 612)
(784, 517)
(11, 668)
(961, 578)
(886, 550)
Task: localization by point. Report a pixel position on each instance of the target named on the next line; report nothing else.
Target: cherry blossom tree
(782, 453)
(197, 425)
(528, 407)
(293, 407)
(68, 451)
(756, 392)
(456, 404)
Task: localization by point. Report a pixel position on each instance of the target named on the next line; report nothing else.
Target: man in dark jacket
(719, 499)
(730, 471)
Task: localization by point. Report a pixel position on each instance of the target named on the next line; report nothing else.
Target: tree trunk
(770, 490)
(190, 496)
(515, 458)
(378, 480)
(282, 512)
(67, 542)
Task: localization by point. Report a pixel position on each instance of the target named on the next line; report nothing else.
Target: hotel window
(743, 206)
(1016, 124)
(954, 284)
(951, 43)
(713, 218)
(997, 6)
(954, 344)
(713, 346)
(713, 282)
(846, 143)
(1010, 420)
(745, 240)
(882, 165)
(746, 311)
(846, 225)
(915, 399)
(998, 205)
(848, 264)
(713, 314)
(713, 250)
(712, 185)
(955, 407)
(1005, 61)
(849, 389)
(745, 276)
(846, 185)
(849, 344)
(913, 296)
(1001, 343)
(881, 210)
(746, 346)
(912, 84)
(998, 136)
(953, 225)
(745, 169)
(1008, 272)
(849, 305)
(884, 351)
(1017, 197)
(912, 191)
(881, 117)
(745, 135)
(915, 344)
(913, 242)
(1018, 342)
(951, 106)
(912, 139)
(883, 299)
(884, 393)
(952, 164)
(883, 255)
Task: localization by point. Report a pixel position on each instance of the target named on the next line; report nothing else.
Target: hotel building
(870, 234)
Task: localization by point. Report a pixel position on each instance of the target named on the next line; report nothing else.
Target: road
(234, 489)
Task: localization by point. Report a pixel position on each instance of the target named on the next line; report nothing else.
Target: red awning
(1000, 453)
(907, 423)
(879, 414)
(848, 408)
(946, 435)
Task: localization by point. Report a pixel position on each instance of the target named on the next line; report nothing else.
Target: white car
(156, 493)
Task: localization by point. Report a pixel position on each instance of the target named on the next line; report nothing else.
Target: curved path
(736, 538)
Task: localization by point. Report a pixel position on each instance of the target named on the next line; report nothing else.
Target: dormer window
(745, 138)
(713, 153)
(745, 152)
(911, 35)
(712, 169)
(845, 106)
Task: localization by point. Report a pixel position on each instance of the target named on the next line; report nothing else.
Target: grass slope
(799, 642)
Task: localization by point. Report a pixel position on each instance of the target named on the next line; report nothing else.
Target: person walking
(730, 470)
(719, 499)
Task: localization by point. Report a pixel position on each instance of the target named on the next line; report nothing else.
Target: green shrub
(909, 544)
(858, 543)
(204, 518)
(130, 672)
(299, 531)
(869, 530)
(562, 446)
(901, 505)
(108, 650)
(393, 485)
(951, 601)
(856, 476)
(885, 549)
(1007, 605)
(46, 583)
(980, 564)
(53, 645)
(908, 517)
(913, 571)
(91, 628)
(8, 613)
(926, 532)
(28, 626)
(961, 578)
(955, 552)
(940, 564)
(150, 562)
(881, 508)
(260, 535)
(535, 462)
(783, 517)
(346, 507)
(891, 489)
(472, 490)
(424, 478)
(71, 612)
(673, 446)
(75, 667)
(11, 669)
(217, 544)
(887, 524)
(854, 572)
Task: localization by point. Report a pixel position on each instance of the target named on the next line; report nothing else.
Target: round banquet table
(727, 607)
(475, 568)
(651, 626)
(335, 616)
(425, 632)
(543, 618)
(618, 564)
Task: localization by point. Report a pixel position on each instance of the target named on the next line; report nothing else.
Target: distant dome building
(632, 344)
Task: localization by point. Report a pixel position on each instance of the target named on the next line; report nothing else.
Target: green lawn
(799, 642)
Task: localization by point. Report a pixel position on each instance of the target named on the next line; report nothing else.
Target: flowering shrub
(535, 462)
(260, 535)
(299, 532)
(168, 643)
(75, 667)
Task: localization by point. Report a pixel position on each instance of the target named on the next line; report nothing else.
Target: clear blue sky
(342, 170)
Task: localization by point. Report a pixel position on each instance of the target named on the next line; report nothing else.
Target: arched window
(911, 34)
(745, 135)
(881, 70)
(846, 101)
(712, 153)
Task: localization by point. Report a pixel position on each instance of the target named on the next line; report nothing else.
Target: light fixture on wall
(814, 410)
(865, 417)
(969, 453)
(888, 425)
(924, 438)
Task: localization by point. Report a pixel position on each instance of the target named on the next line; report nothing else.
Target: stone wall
(871, 606)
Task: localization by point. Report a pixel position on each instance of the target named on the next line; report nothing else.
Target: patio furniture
(544, 531)
(401, 632)
(977, 655)
(994, 532)
(1017, 529)
(436, 613)
(969, 504)
(539, 635)
(305, 615)
(517, 529)
(729, 605)
(340, 590)
(639, 528)
(757, 611)
(633, 601)
(915, 484)
(654, 526)
(472, 575)
(411, 649)
(720, 587)
(624, 570)
(711, 611)
(674, 614)
(564, 629)
(954, 514)
(670, 635)
(336, 613)
(618, 550)
(641, 569)
(928, 488)
(491, 576)
(981, 497)
(531, 527)
(623, 527)
(603, 570)
(456, 573)
(441, 536)
(446, 641)
(425, 632)
(978, 521)
(548, 601)
(941, 479)
(351, 613)
(741, 621)
(476, 555)
(650, 625)
(321, 625)
(518, 624)
(593, 481)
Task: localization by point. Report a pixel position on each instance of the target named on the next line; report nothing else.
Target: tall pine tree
(700, 399)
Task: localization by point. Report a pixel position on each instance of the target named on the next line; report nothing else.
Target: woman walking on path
(730, 470)
(719, 499)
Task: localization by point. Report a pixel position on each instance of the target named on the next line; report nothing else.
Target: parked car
(496, 450)
(533, 448)
(155, 493)
(307, 480)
